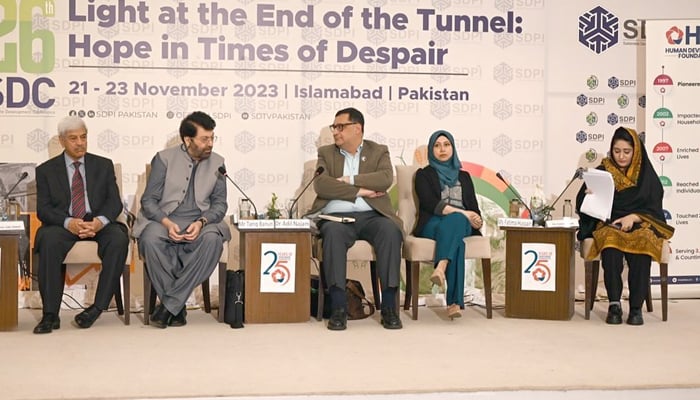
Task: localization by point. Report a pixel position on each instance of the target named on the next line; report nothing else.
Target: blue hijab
(448, 171)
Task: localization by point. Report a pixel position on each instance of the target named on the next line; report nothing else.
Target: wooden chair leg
(375, 285)
(663, 269)
(588, 301)
(407, 298)
(649, 300)
(206, 296)
(486, 273)
(126, 279)
(123, 307)
(118, 299)
(594, 288)
(321, 292)
(415, 272)
(149, 298)
(397, 301)
(223, 267)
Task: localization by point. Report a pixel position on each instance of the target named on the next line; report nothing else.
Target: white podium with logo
(276, 255)
(540, 272)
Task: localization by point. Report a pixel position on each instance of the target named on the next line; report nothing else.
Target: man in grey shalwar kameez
(180, 228)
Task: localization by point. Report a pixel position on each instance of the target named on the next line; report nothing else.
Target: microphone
(22, 177)
(222, 171)
(577, 174)
(515, 192)
(318, 172)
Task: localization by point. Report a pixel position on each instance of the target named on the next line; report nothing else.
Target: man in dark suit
(77, 199)
(357, 174)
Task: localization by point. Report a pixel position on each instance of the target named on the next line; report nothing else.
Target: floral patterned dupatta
(638, 191)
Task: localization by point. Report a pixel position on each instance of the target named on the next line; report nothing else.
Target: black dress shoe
(614, 315)
(179, 319)
(390, 319)
(48, 323)
(338, 320)
(88, 317)
(635, 317)
(161, 317)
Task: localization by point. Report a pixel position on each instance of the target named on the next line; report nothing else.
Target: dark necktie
(78, 192)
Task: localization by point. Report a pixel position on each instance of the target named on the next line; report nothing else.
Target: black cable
(70, 307)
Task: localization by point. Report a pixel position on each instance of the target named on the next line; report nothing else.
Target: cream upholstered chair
(592, 269)
(85, 252)
(360, 251)
(417, 250)
(149, 294)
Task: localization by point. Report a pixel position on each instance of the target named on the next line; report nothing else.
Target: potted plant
(273, 211)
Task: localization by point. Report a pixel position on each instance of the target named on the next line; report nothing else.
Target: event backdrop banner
(273, 74)
(673, 120)
(601, 67)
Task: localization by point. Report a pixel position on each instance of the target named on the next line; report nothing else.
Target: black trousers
(52, 245)
(381, 232)
(637, 277)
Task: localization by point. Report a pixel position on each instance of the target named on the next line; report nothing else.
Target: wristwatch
(203, 221)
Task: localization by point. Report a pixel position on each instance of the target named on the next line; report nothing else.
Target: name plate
(562, 223)
(249, 224)
(301, 223)
(521, 222)
(11, 226)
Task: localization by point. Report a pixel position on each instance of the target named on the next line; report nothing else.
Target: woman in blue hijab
(447, 213)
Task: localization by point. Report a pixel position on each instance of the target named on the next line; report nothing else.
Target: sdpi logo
(597, 29)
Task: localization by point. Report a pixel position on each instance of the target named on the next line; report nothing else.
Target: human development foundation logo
(597, 29)
(674, 35)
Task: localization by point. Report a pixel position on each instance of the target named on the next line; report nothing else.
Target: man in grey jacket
(180, 228)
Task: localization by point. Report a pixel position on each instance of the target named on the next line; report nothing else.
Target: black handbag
(235, 297)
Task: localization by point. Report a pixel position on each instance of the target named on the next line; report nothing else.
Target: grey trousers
(381, 232)
(176, 269)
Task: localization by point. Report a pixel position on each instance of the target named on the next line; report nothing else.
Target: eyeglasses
(205, 139)
(340, 127)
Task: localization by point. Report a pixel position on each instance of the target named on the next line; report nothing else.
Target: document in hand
(598, 203)
(345, 220)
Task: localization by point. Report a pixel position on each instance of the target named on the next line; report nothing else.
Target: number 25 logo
(277, 270)
(538, 268)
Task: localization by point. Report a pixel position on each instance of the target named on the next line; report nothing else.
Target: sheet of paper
(598, 203)
(345, 220)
